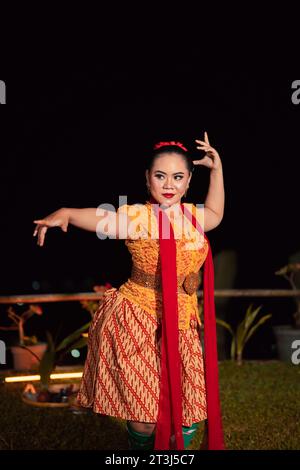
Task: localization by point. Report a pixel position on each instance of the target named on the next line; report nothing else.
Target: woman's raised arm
(215, 199)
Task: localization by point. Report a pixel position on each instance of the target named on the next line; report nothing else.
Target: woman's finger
(47, 222)
(206, 161)
(44, 230)
(200, 162)
(203, 143)
(39, 236)
(210, 151)
(42, 233)
(206, 137)
(204, 147)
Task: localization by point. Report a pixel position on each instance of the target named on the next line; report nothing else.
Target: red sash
(169, 421)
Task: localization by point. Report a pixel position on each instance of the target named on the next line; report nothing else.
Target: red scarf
(169, 422)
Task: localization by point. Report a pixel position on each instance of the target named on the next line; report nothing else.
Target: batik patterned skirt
(122, 370)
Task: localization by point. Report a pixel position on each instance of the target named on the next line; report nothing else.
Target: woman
(144, 361)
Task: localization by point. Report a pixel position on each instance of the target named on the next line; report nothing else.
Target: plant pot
(24, 360)
(285, 336)
(30, 397)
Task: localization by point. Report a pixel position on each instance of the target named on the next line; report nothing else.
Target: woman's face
(168, 176)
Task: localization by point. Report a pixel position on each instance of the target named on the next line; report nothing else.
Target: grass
(260, 407)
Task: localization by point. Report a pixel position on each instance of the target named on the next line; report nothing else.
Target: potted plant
(286, 334)
(245, 329)
(47, 394)
(28, 350)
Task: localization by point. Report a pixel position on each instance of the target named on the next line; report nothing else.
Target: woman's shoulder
(197, 210)
(189, 205)
(194, 207)
(133, 210)
(138, 217)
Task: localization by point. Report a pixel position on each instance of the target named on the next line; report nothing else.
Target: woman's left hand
(212, 158)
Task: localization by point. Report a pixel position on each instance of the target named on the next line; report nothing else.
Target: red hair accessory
(164, 144)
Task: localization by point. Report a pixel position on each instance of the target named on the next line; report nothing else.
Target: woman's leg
(140, 435)
(188, 434)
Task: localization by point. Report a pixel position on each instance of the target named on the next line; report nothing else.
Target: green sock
(138, 440)
(188, 434)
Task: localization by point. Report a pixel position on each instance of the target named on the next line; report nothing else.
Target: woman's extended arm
(106, 223)
(84, 218)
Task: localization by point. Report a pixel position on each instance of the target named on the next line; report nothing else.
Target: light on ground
(35, 378)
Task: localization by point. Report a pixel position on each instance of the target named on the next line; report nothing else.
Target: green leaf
(46, 367)
(243, 328)
(51, 345)
(250, 317)
(73, 337)
(259, 323)
(232, 349)
(225, 325)
(240, 335)
(77, 345)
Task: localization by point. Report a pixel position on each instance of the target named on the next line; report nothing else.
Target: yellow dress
(122, 371)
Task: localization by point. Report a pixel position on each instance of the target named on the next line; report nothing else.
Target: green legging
(142, 441)
(188, 434)
(139, 440)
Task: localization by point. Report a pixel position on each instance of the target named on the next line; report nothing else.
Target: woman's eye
(176, 177)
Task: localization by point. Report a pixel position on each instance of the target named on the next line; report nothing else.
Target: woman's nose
(168, 183)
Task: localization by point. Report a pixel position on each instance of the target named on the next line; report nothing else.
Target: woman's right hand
(59, 218)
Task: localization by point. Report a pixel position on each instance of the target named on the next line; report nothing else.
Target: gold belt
(185, 284)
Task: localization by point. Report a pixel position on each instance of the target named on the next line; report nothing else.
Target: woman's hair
(169, 147)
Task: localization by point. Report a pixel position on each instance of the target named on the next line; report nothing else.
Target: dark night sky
(78, 139)
(80, 154)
